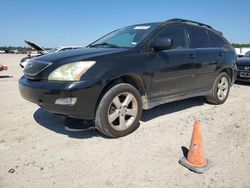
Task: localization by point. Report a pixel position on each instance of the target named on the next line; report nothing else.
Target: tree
(237, 45)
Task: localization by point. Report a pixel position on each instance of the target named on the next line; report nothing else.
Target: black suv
(133, 68)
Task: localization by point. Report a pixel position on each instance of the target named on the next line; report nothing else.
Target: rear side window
(199, 37)
(215, 40)
(177, 33)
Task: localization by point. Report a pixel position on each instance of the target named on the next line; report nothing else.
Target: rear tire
(119, 111)
(220, 90)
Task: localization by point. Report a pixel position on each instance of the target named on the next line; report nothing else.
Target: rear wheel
(119, 111)
(220, 90)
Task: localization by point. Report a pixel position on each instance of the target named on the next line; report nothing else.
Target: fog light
(66, 101)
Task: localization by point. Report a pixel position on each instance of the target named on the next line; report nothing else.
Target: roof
(193, 23)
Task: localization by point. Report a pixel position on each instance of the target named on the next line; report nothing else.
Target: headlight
(71, 71)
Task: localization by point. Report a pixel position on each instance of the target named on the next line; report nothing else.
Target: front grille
(34, 67)
(243, 67)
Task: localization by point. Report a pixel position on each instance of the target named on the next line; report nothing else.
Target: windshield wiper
(104, 44)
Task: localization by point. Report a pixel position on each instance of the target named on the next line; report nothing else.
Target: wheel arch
(229, 71)
(133, 79)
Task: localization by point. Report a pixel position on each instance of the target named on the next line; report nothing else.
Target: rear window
(199, 37)
(215, 40)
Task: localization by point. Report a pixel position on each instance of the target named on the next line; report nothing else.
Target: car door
(207, 58)
(173, 70)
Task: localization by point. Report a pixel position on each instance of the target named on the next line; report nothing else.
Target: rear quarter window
(215, 40)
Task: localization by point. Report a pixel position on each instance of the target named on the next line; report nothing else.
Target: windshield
(247, 54)
(53, 50)
(127, 37)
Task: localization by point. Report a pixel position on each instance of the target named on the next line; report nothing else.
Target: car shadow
(242, 83)
(172, 107)
(56, 123)
(184, 151)
(6, 76)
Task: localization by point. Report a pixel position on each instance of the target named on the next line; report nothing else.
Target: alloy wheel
(122, 111)
(222, 88)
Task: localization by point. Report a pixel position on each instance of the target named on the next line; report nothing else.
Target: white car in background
(2, 52)
(42, 51)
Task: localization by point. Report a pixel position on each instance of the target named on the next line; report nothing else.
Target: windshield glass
(127, 37)
(247, 54)
(53, 50)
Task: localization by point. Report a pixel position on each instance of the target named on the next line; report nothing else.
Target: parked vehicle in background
(13, 51)
(133, 68)
(2, 51)
(247, 54)
(42, 51)
(241, 51)
(3, 67)
(243, 65)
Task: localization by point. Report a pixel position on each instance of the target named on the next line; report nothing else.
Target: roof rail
(193, 22)
(189, 21)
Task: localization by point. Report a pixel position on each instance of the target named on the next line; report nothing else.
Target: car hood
(80, 54)
(35, 46)
(243, 61)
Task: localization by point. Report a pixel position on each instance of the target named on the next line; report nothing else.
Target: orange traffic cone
(196, 160)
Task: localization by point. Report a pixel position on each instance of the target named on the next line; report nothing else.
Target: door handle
(192, 56)
(221, 54)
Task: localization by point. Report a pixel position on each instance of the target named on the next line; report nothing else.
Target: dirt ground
(36, 150)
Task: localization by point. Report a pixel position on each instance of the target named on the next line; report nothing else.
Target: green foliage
(237, 45)
(20, 49)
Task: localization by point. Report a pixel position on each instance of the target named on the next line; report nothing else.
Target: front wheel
(119, 111)
(220, 90)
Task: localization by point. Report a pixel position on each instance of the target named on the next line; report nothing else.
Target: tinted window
(177, 33)
(215, 40)
(199, 37)
(247, 54)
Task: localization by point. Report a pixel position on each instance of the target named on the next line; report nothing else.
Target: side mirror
(160, 44)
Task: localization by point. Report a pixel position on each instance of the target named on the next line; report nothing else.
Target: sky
(52, 23)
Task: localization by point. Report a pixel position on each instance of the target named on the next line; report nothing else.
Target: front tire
(119, 111)
(220, 90)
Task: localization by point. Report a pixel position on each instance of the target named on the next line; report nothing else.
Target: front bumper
(45, 94)
(243, 76)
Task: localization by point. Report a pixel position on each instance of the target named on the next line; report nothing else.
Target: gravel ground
(36, 151)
